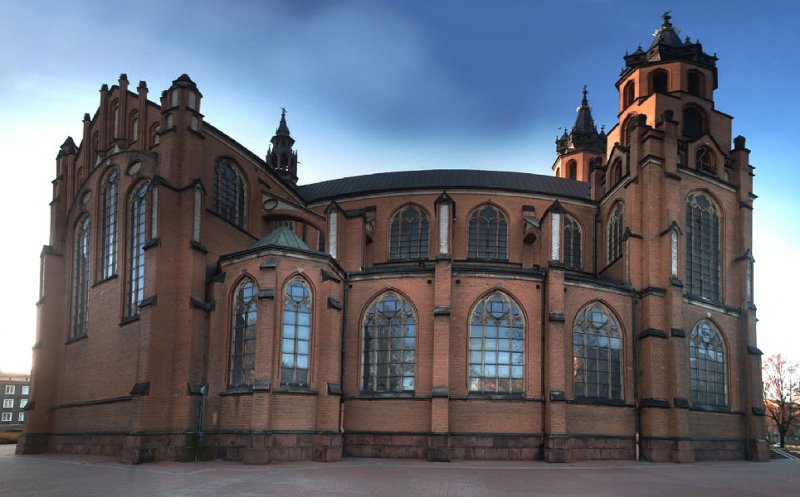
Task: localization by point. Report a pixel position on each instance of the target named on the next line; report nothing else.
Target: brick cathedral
(196, 302)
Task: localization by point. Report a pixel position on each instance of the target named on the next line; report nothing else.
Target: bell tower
(582, 147)
(280, 157)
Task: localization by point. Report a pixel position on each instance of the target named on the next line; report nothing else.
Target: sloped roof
(282, 237)
(443, 179)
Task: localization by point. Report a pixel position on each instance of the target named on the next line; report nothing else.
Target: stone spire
(584, 134)
(280, 157)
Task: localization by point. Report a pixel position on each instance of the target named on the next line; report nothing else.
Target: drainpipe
(542, 358)
(203, 396)
(346, 283)
(634, 358)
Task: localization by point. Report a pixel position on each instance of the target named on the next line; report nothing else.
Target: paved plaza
(60, 475)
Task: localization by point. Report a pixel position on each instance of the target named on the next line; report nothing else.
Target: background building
(16, 390)
(211, 307)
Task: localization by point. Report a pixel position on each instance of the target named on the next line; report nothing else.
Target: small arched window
(109, 224)
(296, 337)
(628, 94)
(243, 334)
(137, 229)
(614, 173)
(80, 278)
(704, 160)
(155, 134)
(389, 346)
(615, 227)
(629, 126)
(115, 119)
(659, 81)
(229, 193)
(572, 169)
(695, 83)
(572, 243)
(707, 365)
(497, 346)
(702, 246)
(488, 234)
(409, 234)
(597, 354)
(693, 127)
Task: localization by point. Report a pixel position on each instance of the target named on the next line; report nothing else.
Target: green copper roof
(282, 237)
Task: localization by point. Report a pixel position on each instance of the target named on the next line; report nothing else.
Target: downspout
(635, 375)
(542, 358)
(346, 283)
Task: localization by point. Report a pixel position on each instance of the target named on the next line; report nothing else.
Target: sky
(373, 86)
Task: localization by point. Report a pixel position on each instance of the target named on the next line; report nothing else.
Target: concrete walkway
(89, 476)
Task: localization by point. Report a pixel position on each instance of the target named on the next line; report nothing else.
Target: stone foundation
(687, 450)
(585, 448)
(443, 447)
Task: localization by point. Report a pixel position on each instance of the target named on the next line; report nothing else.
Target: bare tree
(781, 394)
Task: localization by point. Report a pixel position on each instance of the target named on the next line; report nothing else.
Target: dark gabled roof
(282, 237)
(443, 179)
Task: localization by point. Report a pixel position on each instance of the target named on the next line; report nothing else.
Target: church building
(197, 302)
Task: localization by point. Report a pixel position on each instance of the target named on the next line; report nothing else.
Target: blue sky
(379, 86)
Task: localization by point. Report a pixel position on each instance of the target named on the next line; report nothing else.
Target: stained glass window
(390, 330)
(597, 354)
(497, 346)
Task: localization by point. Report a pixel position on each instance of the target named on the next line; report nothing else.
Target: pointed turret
(280, 157)
(583, 135)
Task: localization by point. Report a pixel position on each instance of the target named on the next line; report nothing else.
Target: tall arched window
(692, 123)
(628, 94)
(137, 231)
(243, 335)
(659, 81)
(109, 224)
(497, 346)
(155, 134)
(409, 234)
(80, 278)
(572, 169)
(390, 330)
(134, 123)
(615, 227)
(629, 125)
(229, 193)
(115, 118)
(572, 243)
(296, 344)
(695, 83)
(702, 246)
(707, 365)
(597, 354)
(488, 234)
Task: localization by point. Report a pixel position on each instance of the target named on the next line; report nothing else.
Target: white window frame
(10, 389)
(8, 403)
(26, 390)
(6, 417)
(23, 403)
(21, 417)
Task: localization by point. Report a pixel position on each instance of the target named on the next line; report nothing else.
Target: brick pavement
(47, 475)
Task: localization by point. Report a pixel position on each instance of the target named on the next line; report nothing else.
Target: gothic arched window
(702, 246)
(134, 124)
(659, 81)
(488, 234)
(109, 224)
(243, 334)
(628, 94)
(409, 234)
(137, 225)
(615, 227)
(704, 160)
(572, 243)
(692, 123)
(572, 169)
(497, 346)
(707, 365)
(597, 354)
(80, 278)
(389, 345)
(296, 336)
(229, 193)
(695, 83)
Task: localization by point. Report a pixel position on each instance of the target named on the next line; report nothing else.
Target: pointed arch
(693, 122)
(408, 233)
(229, 197)
(496, 345)
(707, 364)
(696, 83)
(705, 160)
(572, 169)
(109, 223)
(628, 94)
(615, 226)
(80, 277)
(133, 123)
(703, 235)
(488, 233)
(659, 81)
(296, 332)
(389, 344)
(573, 236)
(137, 235)
(597, 353)
(244, 317)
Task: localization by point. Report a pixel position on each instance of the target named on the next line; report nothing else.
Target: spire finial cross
(666, 18)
